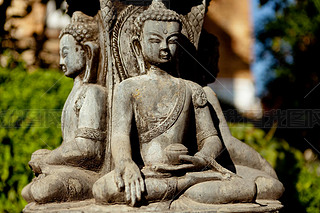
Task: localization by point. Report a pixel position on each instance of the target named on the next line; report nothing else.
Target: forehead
(67, 40)
(161, 27)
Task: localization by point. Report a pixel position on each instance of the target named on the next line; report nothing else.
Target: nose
(61, 62)
(164, 45)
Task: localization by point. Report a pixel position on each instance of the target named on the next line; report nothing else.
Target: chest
(71, 110)
(158, 105)
(156, 99)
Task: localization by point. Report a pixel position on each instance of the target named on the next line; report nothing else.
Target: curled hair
(82, 28)
(157, 11)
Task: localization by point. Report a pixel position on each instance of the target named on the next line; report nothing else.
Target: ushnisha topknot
(82, 27)
(157, 11)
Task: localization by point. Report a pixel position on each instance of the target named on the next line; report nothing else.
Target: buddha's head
(157, 32)
(78, 45)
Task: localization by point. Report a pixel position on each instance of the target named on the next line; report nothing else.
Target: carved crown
(82, 27)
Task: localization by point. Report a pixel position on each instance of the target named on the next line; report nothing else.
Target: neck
(153, 69)
(160, 69)
(79, 77)
(77, 80)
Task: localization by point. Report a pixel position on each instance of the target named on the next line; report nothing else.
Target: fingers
(133, 193)
(127, 190)
(133, 184)
(35, 167)
(170, 168)
(159, 168)
(138, 190)
(119, 181)
(198, 162)
(141, 185)
(187, 158)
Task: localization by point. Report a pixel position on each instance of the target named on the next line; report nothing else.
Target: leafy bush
(308, 187)
(300, 178)
(30, 109)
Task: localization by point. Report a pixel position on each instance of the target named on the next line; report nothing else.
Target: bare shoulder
(129, 85)
(95, 91)
(209, 91)
(199, 97)
(192, 85)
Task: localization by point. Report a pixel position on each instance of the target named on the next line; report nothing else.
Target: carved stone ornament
(141, 131)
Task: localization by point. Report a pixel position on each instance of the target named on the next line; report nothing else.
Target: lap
(250, 173)
(234, 190)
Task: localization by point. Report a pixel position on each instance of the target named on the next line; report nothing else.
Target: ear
(136, 48)
(92, 59)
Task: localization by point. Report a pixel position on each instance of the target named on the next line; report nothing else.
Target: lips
(164, 55)
(63, 68)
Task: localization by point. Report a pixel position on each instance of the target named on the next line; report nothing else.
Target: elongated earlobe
(136, 48)
(92, 61)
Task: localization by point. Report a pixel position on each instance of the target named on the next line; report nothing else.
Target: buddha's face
(159, 41)
(72, 56)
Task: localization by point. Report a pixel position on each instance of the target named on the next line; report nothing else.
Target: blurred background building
(231, 22)
(32, 29)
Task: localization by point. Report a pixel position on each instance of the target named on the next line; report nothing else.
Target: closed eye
(173, 40)
(154, 40)
(64, 54)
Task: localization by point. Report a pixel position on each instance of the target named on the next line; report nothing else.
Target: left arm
(208, 141)
(86, 149)
(209, 144)
(90, 135)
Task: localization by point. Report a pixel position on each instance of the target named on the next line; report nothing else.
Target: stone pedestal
(182, 205)
(129, 77)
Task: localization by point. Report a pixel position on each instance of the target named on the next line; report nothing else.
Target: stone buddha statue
(177, 143)
(68, 172)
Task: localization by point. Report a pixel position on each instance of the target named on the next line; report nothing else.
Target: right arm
(122, 112)
(127, 173)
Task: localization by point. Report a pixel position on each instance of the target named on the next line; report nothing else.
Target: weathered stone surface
(138, 130)
(90, 206)
(68, 172)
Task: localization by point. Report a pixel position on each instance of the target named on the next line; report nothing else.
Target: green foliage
(300, 178)
(30, 109)
(272, 149)
(308, 187)
(292, 38)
